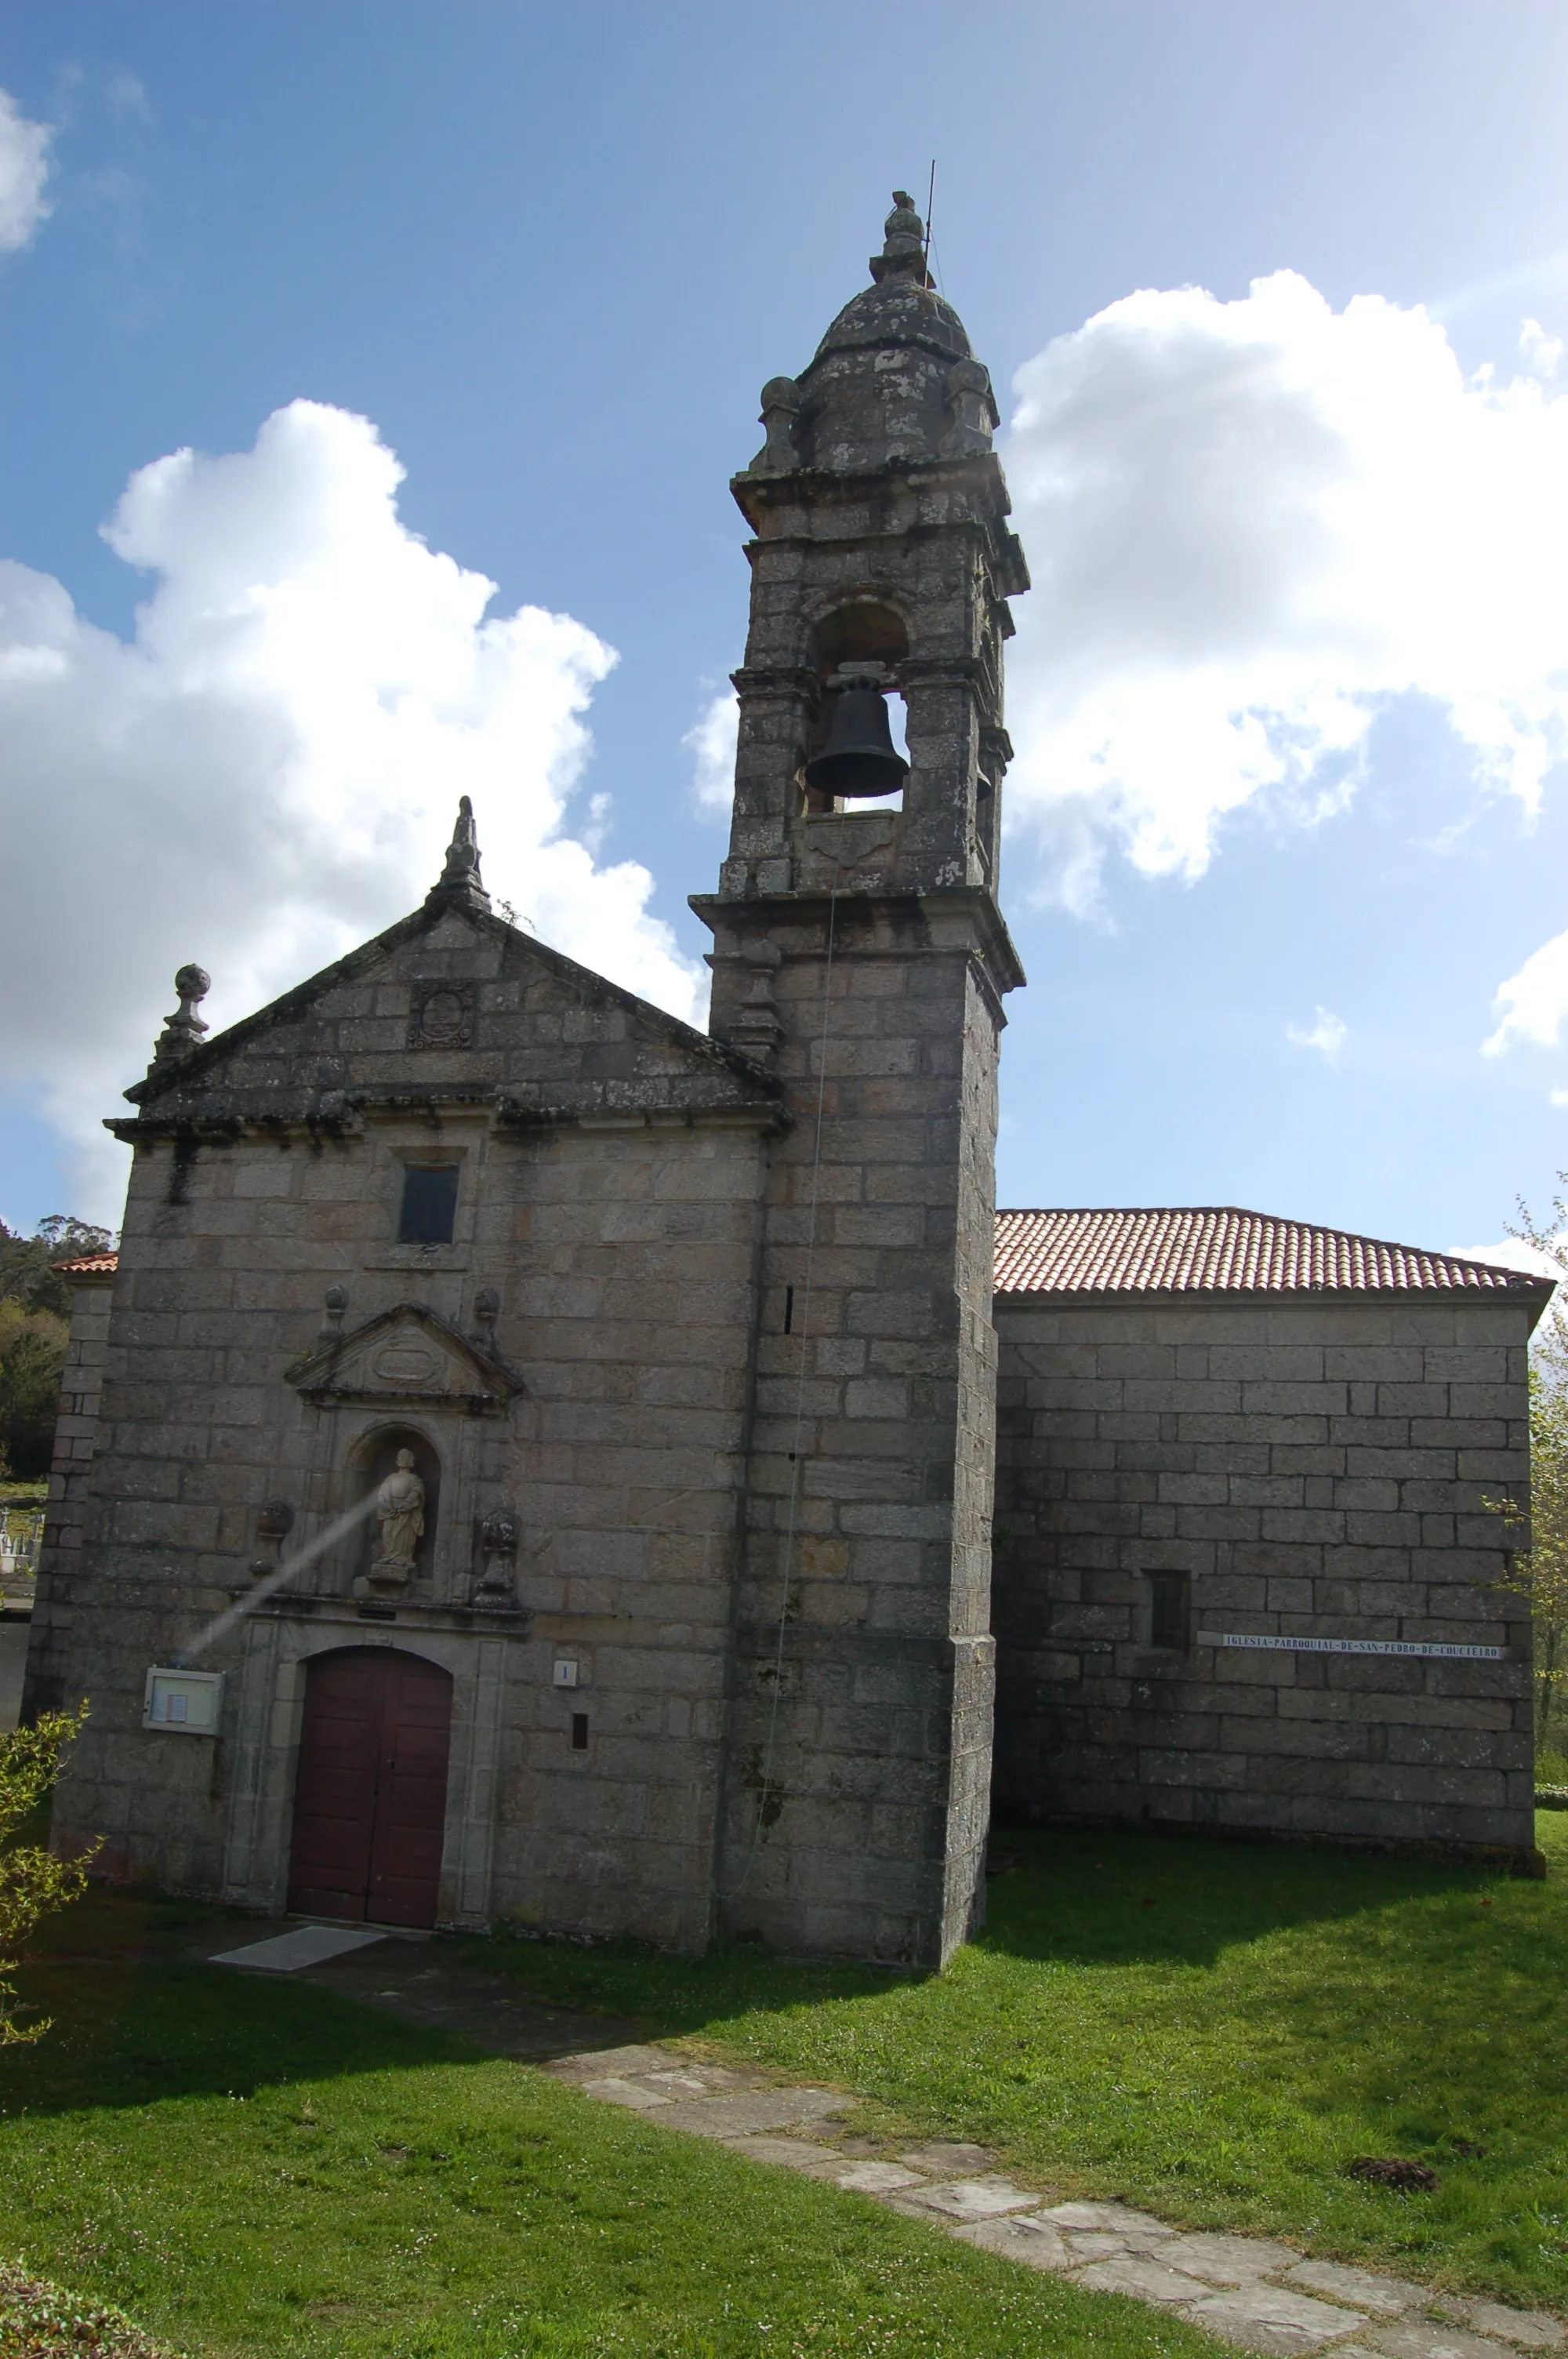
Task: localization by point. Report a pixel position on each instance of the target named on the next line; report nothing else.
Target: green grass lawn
(1214, 2029)
(262, 2168)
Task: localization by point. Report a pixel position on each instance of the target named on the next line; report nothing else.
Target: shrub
(33, 1881)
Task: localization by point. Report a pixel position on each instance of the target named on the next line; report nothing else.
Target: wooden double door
(370, 1796)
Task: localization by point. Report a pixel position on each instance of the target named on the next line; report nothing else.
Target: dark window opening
(1168, 1609)
(579, 1731)
(789, 1308)
(430, 1204)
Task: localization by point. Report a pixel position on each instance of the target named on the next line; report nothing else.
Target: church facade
(533, 1460)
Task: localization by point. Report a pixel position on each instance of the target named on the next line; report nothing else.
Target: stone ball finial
(183, 1030)
(780, 409)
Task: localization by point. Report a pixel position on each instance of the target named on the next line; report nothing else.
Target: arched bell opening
(858, 746)
(380, 1542)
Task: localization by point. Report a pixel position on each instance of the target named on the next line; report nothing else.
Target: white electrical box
(566, 1674)
(183, 1703)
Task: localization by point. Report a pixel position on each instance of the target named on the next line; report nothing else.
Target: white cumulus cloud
(1253, 524)
(24, 168)
(1514, 1252)
(711, 741)
(1533, 1001)
(268, 771)
(1327, 1033)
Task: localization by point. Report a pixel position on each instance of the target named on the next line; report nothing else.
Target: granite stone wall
(71, 1475)
(579, 1356)
(1188, 1468)
(860, 1766)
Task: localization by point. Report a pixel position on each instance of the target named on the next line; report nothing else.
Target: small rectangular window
(579, 1731)
(430, 1204)
(1168, 1609)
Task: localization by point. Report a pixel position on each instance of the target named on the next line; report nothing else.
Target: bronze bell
(860, 757)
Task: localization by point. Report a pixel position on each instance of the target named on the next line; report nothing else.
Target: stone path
(1244, 2290)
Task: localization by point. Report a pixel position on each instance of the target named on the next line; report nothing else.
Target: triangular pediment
(411, 1354)
(455, 1004)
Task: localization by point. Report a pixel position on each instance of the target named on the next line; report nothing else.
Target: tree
(1539, 1571)
(32, 1356)
(26, 1272)
(33, 1883)
(35, 1315)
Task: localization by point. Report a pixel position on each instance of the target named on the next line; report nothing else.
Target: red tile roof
(1221, 1249)
(1185, 1249)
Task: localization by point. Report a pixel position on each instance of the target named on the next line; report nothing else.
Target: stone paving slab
(789, 2154)
(1116, 2218)
(1532, 2330)
(1139, 2275)
(867, 2178)
(601, 2061)
(1385, 2297)
(973, 2199)
(1418, 2338)
(946, 2158)
(1274, 2319)
(1028, 2238)
(303, 1945)
(1252, 2293)
(745, 2113)
(1227, 2260)
(1086, 2244)
(634, 2094)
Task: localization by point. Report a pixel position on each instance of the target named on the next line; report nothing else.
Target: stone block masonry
(859, 947)
(574, 1359)
(1173, 1474)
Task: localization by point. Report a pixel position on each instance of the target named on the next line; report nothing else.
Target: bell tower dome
(859, 950)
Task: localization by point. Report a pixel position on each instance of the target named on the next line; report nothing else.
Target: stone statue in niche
(400, 1515)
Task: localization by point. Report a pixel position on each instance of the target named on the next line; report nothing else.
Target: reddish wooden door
(370, 1799)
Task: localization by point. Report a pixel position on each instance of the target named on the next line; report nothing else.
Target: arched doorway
(370, 1796)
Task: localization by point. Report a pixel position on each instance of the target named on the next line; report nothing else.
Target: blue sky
(551, 255)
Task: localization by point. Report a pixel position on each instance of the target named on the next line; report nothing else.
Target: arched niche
(375, 1457)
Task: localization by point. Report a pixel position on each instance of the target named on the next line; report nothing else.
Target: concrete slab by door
(371, 1793)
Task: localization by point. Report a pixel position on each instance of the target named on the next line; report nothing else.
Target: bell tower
(859, 951)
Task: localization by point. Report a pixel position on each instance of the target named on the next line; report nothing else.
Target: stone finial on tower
(903, 242)
(184, 1030)
(460, 879)
(781, 407)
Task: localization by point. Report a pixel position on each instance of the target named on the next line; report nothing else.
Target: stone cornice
(988, 942)
(618, 1106)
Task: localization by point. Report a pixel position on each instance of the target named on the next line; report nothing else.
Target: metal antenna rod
(930, 194)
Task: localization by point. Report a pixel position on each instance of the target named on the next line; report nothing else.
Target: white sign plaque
(1423, 1646)
(183, 1703)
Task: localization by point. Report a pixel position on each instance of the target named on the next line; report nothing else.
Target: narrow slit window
(1168, 1603)
(430, 1204)
(579, 1731)
(789, 1308)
